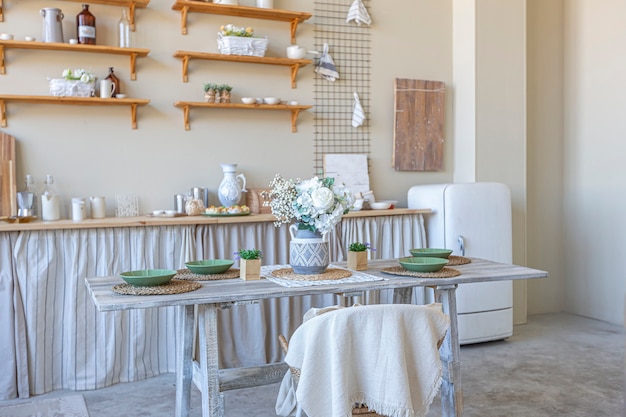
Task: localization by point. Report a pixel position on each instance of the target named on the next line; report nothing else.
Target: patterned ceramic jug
(231, 187)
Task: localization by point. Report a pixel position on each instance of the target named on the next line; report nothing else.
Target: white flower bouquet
(316, 204)
(74, 83)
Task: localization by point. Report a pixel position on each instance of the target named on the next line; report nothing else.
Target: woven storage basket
(359, 410)
(238, 45)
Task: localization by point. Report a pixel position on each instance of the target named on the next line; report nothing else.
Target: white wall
(93, 150)
(545, 154)
(594, 149)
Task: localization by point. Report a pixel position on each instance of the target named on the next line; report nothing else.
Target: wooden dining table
(218, 294)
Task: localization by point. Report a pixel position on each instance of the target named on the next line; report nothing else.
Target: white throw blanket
(385, 356)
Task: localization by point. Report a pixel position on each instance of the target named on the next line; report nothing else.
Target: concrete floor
(556, 365)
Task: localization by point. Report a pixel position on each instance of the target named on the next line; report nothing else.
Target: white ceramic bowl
(120, 95)
(380, 205)
(248, 100)
(6, 36)
(271, 100)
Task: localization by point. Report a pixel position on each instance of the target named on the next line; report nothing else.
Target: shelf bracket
(185, 68)
(133, 65)
(1, 15)
(131, 15)
(3, 113)
(183, 19)
(133, 115)
(186, 117)
(294, 74)
(294, 28)
(3, 69)
(294, 117)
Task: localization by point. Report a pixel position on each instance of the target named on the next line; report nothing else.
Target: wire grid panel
(350, 49)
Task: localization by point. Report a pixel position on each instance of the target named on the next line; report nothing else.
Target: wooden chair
(361, 410)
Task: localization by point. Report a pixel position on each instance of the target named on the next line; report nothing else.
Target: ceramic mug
(107, 87)
(98, 207)
(78, 209)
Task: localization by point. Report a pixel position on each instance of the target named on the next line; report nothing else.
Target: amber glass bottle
(116, 80)
(86, 26)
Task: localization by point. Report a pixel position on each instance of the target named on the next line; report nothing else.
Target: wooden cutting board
(8, 186)
(419, 125)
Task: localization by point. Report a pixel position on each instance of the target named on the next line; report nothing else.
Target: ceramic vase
(308, 251)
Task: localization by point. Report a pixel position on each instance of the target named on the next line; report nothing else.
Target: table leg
(184, 361)
(212, 401)
(451, 388)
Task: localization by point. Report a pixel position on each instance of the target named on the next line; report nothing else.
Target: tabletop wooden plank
(236, 290)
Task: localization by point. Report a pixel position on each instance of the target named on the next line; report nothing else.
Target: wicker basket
(238, 45)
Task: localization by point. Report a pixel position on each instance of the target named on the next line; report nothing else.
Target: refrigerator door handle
(461, 243)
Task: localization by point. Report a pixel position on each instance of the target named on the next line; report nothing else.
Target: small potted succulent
(225, 90)
(210, 90)
(357, 256)
(249, 264)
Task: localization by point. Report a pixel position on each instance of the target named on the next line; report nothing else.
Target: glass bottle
(29, 187)
(123, 31)
(116, 80)
(50, 201)
(86, 26)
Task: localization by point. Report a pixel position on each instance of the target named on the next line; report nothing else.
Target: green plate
(431, 252)
(423, 264)
(148, 277)
(225, 214)
(209, 266)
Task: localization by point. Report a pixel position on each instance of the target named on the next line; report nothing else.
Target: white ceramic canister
(79, 209)
(98, 207)
(52, 25)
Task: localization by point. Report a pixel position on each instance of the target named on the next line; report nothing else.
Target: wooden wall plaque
(419, 125)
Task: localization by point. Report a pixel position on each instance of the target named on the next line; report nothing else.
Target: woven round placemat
(186, 274)
(175, 286)
(329, 275)
(399, 270)
(454, 260)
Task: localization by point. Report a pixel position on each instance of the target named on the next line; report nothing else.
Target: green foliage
(249, 254)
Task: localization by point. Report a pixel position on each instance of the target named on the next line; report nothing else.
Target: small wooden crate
(255, 200)
(357, 261)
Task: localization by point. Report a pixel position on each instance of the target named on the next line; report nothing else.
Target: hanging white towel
(326, 66)
(358, 13)
(358, 115)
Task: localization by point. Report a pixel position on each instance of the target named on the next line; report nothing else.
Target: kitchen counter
(181, 220)
(55, 338)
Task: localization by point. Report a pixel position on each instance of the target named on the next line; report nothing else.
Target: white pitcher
(232, 185)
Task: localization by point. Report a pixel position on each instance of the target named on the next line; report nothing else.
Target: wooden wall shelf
(187, 105)
(133, 53)
(131, 4)
(81, 101)
(293, 64)
(186, 6)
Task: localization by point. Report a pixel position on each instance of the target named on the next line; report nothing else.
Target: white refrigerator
(474, 220)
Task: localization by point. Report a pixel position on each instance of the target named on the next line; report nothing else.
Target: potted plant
(249, 264)
(312, 208)
(225, 90)
(357, 256)
(210, 90)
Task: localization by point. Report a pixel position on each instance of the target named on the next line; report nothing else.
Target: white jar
(79, 210)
